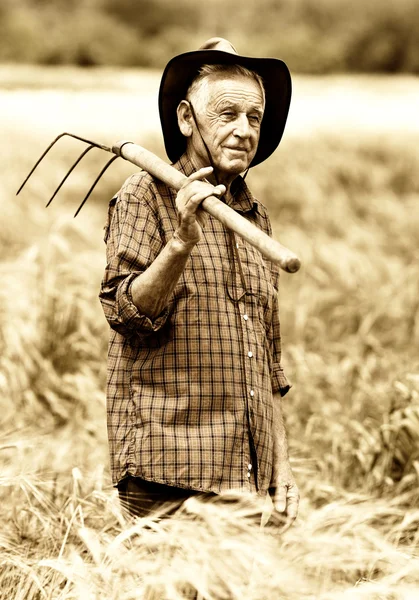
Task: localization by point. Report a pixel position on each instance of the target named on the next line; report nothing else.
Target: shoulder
(138, 199)
(137, 186)
(142, 190)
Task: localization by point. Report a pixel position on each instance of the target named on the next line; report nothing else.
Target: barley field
(343, 193)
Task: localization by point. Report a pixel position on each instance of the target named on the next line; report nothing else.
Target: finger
(198, 175)
(200, 196)
(219, 190)
(197, 198)
(292, 504)
(194, 193)
(280, 499)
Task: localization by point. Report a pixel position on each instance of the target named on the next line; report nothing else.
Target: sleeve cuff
(129, 315)
(279, 381)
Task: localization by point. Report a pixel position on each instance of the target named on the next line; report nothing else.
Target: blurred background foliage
(312, 36)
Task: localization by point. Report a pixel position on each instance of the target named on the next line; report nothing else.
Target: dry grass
(68, 538)
(350, 324)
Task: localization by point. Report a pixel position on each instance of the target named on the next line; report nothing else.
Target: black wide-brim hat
(182, 70)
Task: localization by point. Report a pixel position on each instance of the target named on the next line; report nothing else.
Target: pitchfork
(271, 249)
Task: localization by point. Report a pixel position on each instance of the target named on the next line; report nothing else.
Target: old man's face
(229, 114)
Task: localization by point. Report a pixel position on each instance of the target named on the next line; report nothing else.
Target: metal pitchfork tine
(91, 145)
(108, 164)
(155, 166)
(68, 174)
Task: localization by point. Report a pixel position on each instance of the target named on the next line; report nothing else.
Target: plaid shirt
(190, 393)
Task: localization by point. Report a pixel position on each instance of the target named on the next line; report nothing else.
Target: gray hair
(207, 70)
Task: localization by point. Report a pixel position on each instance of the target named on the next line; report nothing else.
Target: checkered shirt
(190, 393)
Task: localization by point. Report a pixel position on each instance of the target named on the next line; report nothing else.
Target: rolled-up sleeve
(133, 241)
(280, 382)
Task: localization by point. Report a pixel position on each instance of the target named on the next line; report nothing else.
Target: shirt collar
(243, 199)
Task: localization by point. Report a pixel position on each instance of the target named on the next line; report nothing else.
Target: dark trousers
(141, 497)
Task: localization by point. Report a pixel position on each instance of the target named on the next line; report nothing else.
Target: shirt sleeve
(133, 241)
(280, 382)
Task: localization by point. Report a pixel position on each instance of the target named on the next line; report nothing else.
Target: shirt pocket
(260, 279)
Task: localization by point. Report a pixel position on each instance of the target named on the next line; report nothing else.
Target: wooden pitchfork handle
(271, 249)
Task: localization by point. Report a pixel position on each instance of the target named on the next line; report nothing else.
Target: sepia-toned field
(343, 193)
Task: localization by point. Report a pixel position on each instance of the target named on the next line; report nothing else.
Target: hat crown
(218, 43)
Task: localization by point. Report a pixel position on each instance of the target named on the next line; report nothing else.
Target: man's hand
(285, 495)
(192, 217)
(283, 489)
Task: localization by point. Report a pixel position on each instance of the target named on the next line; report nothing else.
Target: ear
(184, 118)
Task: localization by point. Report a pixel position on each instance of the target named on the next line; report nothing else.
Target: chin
(235, 167)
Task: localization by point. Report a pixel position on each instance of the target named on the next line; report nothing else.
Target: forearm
(279, 431)
(151, 291)
(283, 490)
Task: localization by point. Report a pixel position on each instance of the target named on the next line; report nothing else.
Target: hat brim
(182, 69)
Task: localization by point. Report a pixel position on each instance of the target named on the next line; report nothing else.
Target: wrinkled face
(229, 113)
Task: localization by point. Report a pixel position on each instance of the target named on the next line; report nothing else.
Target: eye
(255, 119)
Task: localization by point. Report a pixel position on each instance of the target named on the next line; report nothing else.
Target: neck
(227, 181)
(217, 177)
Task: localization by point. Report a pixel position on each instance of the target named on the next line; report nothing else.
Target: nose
(242, 126)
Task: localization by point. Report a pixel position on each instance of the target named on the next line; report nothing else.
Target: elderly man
(194, 373)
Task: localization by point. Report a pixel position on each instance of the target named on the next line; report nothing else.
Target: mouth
(237, 149)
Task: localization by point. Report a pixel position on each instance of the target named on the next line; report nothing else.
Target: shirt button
(249, 466)
(245, 317)
(237, 244)
(252, 393)
(250, 354)
(248, 475)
